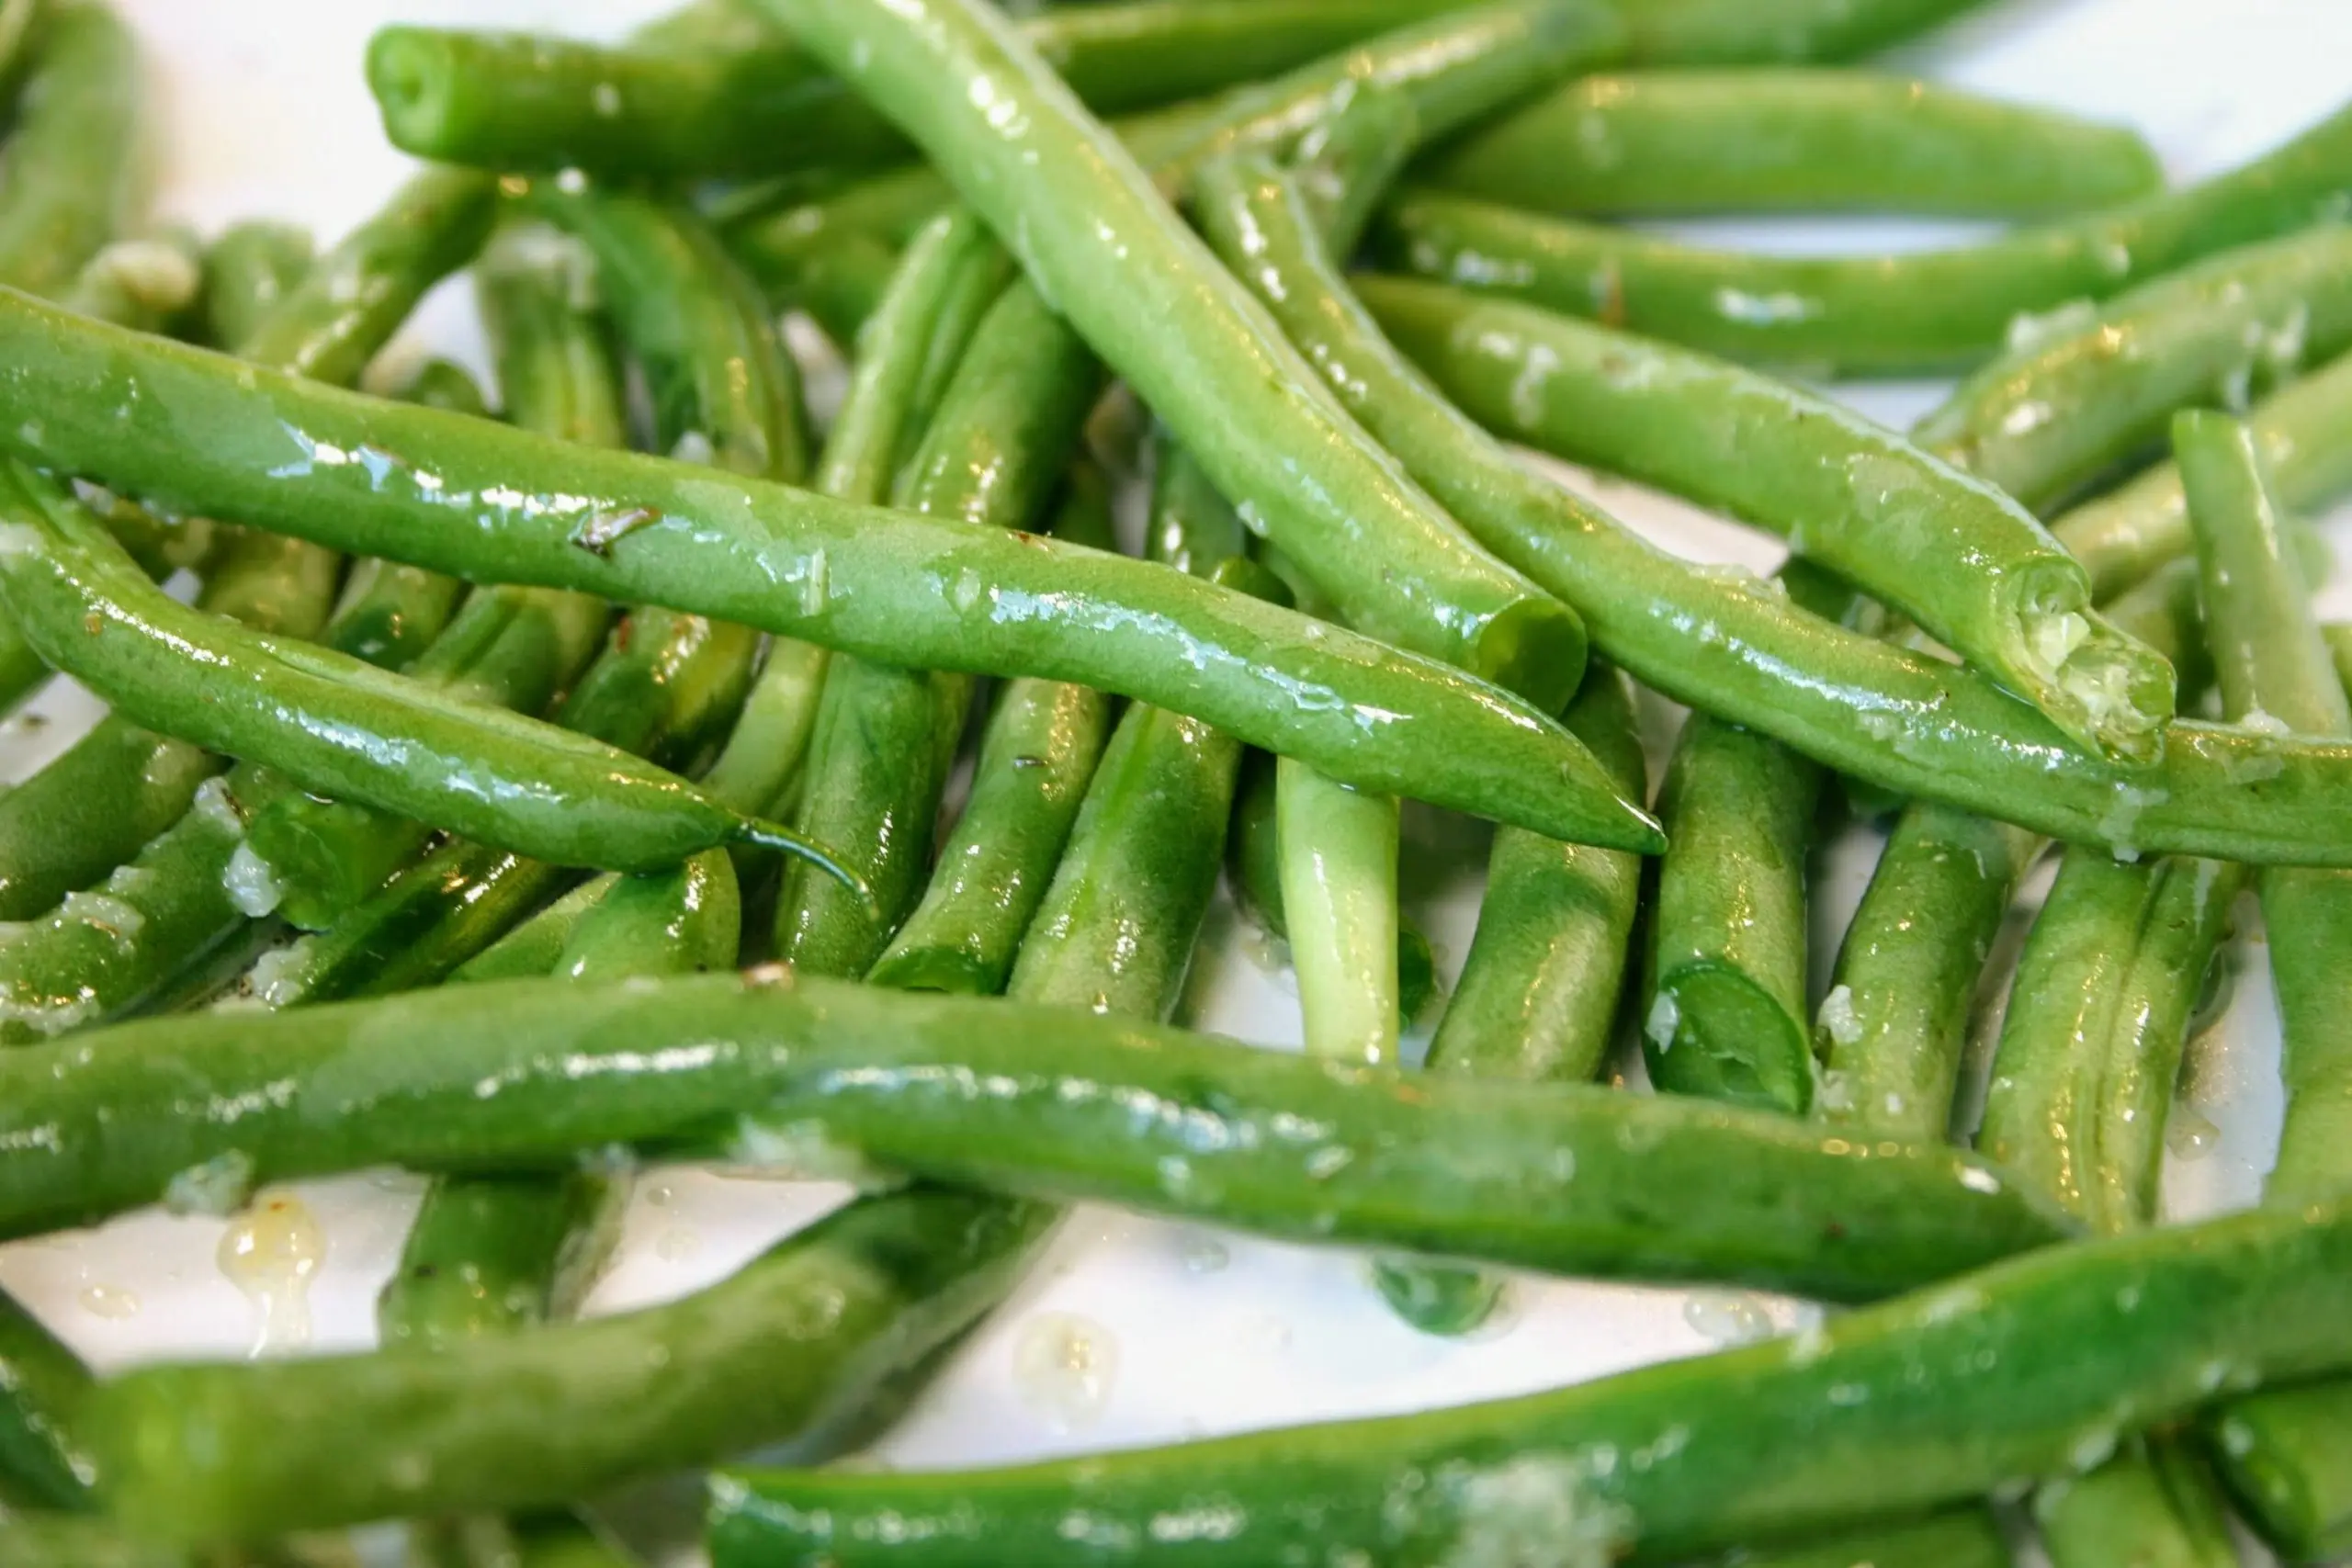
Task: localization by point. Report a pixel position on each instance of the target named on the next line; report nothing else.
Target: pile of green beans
(627, 766)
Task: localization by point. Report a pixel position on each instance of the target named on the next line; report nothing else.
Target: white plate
(262, 111)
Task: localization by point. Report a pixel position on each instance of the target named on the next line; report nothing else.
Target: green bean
(1338, 880)
(1105, 250)
(1964, 1537)
(212, 436)
(1875, 314)
(878, 761)
(1751, 32)
(1034, 1101)
(44, 1384)
(2153, 1504)
(1539, 991)
(1894, 1027)
(1867, 708)
(1792, 140)
(2028, 1367)
(744, 101)
(147, 283)
(1727, 967)
(1036, 756)
(445, 385)
(969, 296)
(534, 947)
(2060, 409)
(787, 1347)
(70, 168)
(19, 31)
(2165, 611)
(340, 727)
(247, 271)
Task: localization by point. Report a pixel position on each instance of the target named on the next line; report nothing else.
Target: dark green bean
(1036, 756)
(1867, 708)
(1894, 1027)
(1792, 140)
(69, 167)
(212, 436)
(42, 1388)
(2028, 1367)
(146, 282)
(2125, 535)
(247, 271)
(1039, 1102)
(742, 100)
(1866, 315)
(2068, 404)
(790, 1348)
(1106, 252)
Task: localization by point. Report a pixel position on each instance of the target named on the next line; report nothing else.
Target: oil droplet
(1063, 1367)
(2189, 1135)
(270, 1252)
(660, 1194)
(1725, 1318)
(676, 1245)
(109, 1302)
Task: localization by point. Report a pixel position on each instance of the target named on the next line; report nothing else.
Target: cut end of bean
(940, 969)
(2105, 688)
(406, 67)
(1715, 1034)
(766, 835)
(1536, 648)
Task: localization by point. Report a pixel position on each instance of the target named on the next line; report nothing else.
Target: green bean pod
(43, 1465)
(1338, 852)
(1916, 312)
(534, 947)
(1792, 140)
(1539, 992)
(1894, 1027)
(340, 727)
(2041, 419)
(742, 100)
(1103, 248)
(213, 436)
(146, 282)
(445, 385)
(1037, 755)
(2124, 536)
(2032, 1366)
(1963, 1538)
(489, 1254)
(1913, 724)
(1953, 552)
(1038, 1101)
(247, 271)
(787, 1349)
(1763, 32)
(2156, 1503)
(878, 761)
(69, 170)
(1726, 966)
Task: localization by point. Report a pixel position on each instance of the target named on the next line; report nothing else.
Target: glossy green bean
(1792, 140)
(2030, 1366)
(43, 1465)
(1954, 553)
(1894, 1027)
(1338, 852)
(2067, 405)
(69, 170)
(339, 726)
(214, 438)
(489, 1254)
(878, 761)
(1103, 248)
(532, 948)
(1753, 32)
(252, 266)
(1867, 708)
(2123, 536)
(1921, 311)
(743, 100)
(1726, 966)
(1037, 755)
(147, 282)
(787, 1349)
(1561, 1179)
(2155, 1504)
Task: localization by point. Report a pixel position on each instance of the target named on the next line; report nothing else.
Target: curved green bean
(2125, 535)
(220, 438)
(1037, 755)
(787, 1349)
(2031, 1365)
(1894, 1027)
(1911, 724)
(70, 169)
(740, 99)
(2044, 418)
(1105, 251)
(1038, 1102)
(1865, 315)
(43, 1385)
(1792, 140)
(247, 271)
